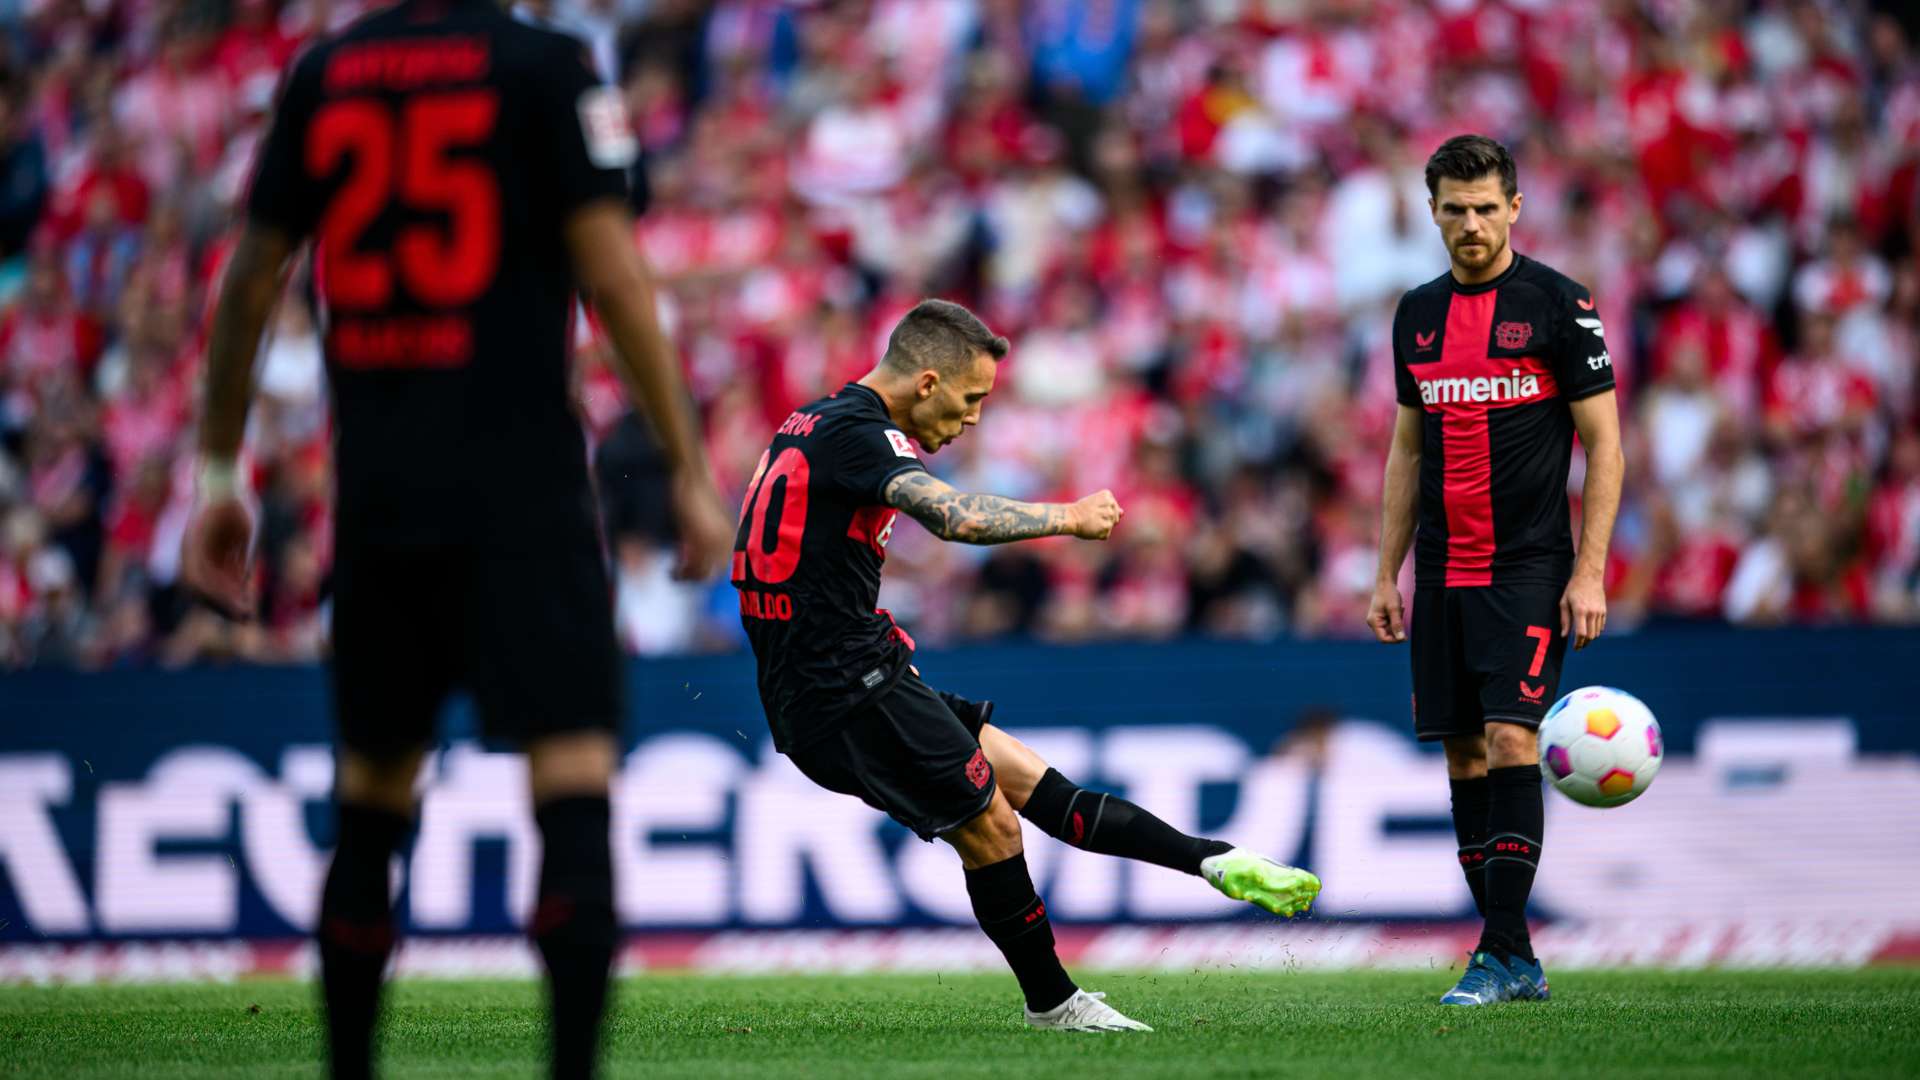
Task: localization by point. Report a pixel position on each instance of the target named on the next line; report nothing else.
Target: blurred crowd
(1193, 220)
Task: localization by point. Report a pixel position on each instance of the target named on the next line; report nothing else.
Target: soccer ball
(1600, 746)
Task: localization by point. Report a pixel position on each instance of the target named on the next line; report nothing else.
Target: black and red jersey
(1494, 366)
(434, 151)
(812, 539)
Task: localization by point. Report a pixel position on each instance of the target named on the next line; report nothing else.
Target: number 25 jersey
(434, 151)
(812, 539)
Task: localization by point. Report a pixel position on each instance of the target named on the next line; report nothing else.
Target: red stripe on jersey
(1467, 483)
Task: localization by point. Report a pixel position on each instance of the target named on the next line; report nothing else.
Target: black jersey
(813, 536)
(434, 150)
(1494, 366)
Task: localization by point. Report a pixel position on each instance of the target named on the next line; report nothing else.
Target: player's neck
(896, 398)
(1487, 273)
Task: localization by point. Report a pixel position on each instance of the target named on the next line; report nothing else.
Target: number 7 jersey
(434, 151)
(806, 559)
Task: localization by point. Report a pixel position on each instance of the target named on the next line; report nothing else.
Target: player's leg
(546, 671)
(1106, 824)
(1471, 800)
(1512, 631)
(1447, 708)
(390, 672)
(1014, 918)
(574, 924)
(374, 807)
(1007, 905)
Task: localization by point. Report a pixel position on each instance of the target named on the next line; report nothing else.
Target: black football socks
(356, 932)
(1015, 920)
(1515, 822)
(574, 926)
(1472, 800)
(1109, 825)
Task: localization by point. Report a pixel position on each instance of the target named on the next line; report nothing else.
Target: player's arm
(615, 278)
(1583, 608)
(1400, 498)
(952, 514)
(214, 560)
(256, 273)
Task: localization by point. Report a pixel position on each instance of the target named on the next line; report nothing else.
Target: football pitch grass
(1211, 1024)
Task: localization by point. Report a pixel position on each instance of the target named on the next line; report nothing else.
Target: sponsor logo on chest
(1482, 389)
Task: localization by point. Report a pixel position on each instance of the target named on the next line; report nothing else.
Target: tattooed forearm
(951, 514)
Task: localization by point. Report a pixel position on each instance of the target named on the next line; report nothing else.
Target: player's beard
(1489, 251)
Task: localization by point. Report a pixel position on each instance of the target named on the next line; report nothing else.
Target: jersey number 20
(789, 473)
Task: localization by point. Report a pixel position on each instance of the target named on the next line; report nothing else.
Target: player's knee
(1466, 756)
(1511, 744)
(1016, 768)
(576, 763)
(993, 835)
(382, 781)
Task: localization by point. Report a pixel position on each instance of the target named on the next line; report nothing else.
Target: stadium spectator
(1190, 218)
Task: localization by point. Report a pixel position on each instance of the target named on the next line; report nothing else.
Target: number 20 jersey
(434, 151)
(812, 539)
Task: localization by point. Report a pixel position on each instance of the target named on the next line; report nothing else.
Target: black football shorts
(906, 754)
(529, 633)
(1489, 652)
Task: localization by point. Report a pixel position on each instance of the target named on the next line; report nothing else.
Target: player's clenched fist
(1095, 516)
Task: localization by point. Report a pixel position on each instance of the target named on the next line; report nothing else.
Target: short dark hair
(941, 335)
(1470, 157)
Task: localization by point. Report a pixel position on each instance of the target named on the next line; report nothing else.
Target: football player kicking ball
(845, 703)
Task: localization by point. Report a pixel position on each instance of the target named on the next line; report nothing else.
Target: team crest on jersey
(901, 446)
(1512, 335)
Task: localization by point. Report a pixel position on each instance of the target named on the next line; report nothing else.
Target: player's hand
(1583, 609)
(1386, 616)
(1095, 516)
(216, 556)
(706, 529)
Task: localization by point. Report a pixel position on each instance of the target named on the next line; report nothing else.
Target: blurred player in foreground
(1497, 364)
(842, 697)
(463, 174)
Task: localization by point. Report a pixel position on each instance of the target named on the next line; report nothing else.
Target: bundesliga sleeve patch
(603, 120)
(900, 444)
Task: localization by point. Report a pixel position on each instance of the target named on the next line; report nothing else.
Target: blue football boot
(1526, 980)
(1489, 980)
(1483, 983)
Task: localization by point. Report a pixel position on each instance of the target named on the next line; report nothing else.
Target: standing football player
(1497, 364)
(846, 705)
(463, 174)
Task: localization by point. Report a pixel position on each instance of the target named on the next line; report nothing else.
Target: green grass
(1350, 1026)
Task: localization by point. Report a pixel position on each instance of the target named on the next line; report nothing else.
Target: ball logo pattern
(1600, 746)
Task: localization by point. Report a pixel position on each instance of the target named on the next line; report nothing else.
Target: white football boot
(1083, 1012)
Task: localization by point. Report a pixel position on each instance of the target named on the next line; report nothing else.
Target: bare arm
(952, 514)
(216, 553)
(248, 292)
(1583, 609)
(615, 278)
(1400, 498)
(1597, 419)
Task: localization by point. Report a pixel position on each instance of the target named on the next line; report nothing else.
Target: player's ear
(929, 380)
(1513, 211)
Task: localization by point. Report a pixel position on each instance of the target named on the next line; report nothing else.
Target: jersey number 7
(439, 268)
